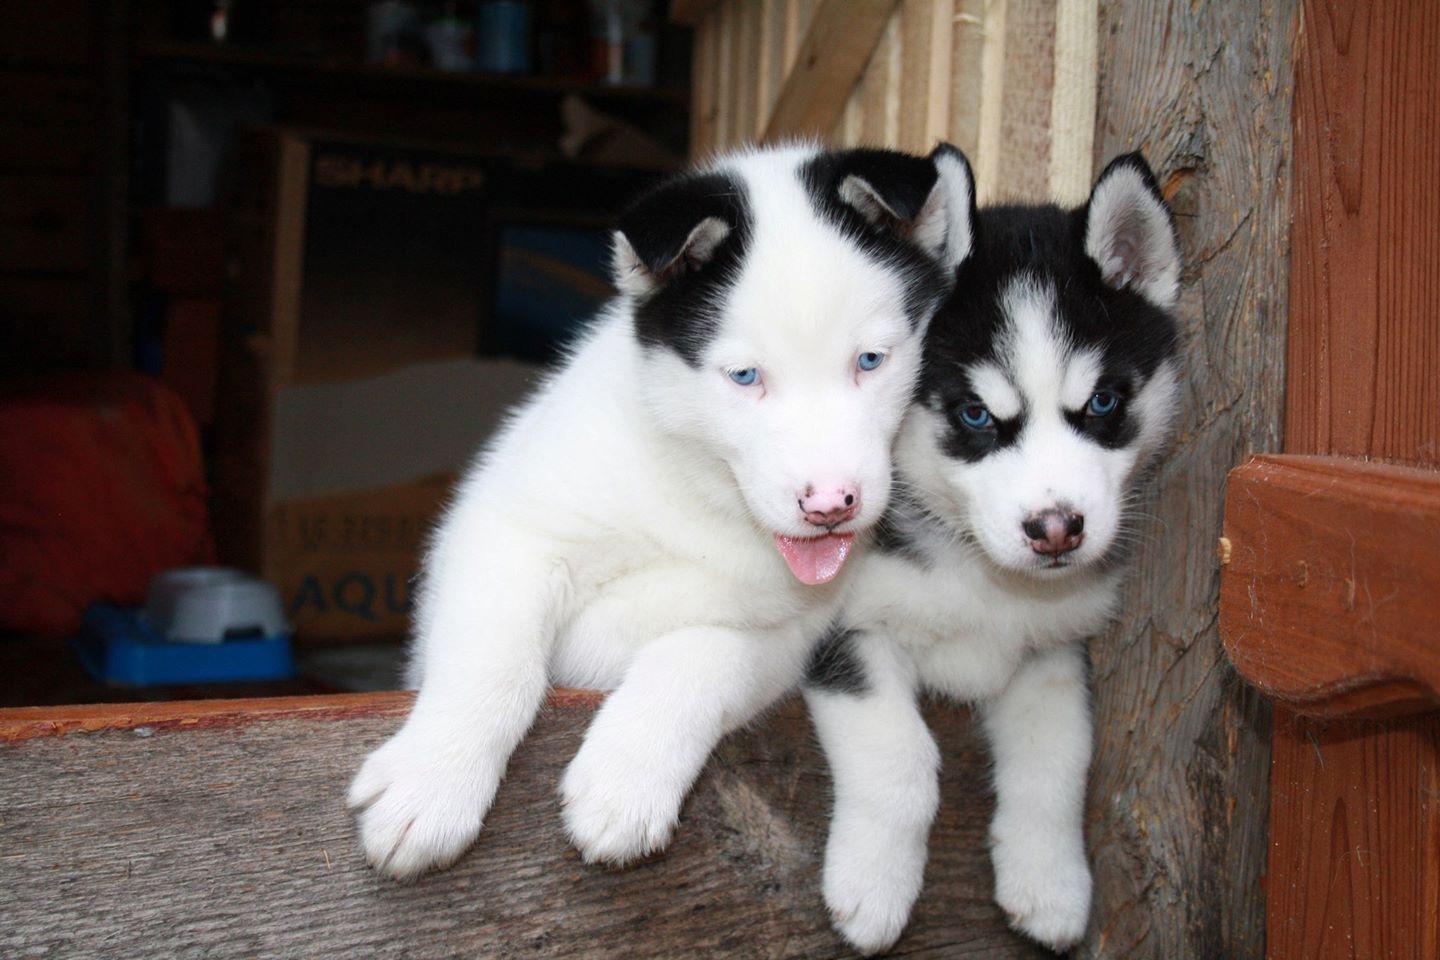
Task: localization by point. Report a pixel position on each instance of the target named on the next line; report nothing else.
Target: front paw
(420, 803)
(872, 880)
(1045, 890)
(617, 811)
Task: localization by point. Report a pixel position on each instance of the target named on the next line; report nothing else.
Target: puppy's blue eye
(745, 377)
(1102, 404)
(870, 360)
(975, 416)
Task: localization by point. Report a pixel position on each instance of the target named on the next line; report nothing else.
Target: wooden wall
(1355, 823)
(1040, 94)
(1010, 82)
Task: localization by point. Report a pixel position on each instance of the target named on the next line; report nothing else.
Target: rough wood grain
(1178, 788)
(838, 43)
(1363, 371)
(227, 839)
(1328, 600)
(1355, 857)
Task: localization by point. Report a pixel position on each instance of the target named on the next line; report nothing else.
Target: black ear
(927, 201)
(1129, 232)
(677, 226)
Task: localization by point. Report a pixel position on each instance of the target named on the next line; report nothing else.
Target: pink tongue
(815, 559)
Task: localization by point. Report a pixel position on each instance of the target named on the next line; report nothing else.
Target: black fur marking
(1047, 244)
(682, 313)
(834, 665)
(904, 183)
(1113, 430)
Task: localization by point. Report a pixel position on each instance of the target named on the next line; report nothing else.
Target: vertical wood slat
(1024, 149)
(704, 83)
(1072, 103)
(966, 86)
(1355, 863)
(1355, 852)
(1365, 366)
(988, 139)
(923, 98)
(1178, 788)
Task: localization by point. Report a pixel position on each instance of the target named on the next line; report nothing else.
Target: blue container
(120, 648)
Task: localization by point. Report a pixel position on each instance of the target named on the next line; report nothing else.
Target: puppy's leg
(1040, 734)
(484, 631)
(650, 740)
(885, 767)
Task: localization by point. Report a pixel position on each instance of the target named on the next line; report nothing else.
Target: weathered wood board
(1178, 790)
(218, 830)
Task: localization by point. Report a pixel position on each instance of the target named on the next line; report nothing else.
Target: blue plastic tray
(120, 648)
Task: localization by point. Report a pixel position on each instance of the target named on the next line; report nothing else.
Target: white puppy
(667, 514)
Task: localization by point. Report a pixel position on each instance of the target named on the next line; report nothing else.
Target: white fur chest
(967, 624)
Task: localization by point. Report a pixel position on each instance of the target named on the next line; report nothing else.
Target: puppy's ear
(676, 228)
(1129, 232)
(929, 202)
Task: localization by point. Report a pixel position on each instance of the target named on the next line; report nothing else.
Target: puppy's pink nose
(829, 504)
(1054, 532)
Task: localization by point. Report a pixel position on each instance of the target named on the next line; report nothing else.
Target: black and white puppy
(1049, 382)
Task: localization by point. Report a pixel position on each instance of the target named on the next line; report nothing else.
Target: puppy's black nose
(1054, 532)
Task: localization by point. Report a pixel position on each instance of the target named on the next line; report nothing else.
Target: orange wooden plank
(1365, 260)
(1354, 839)
(24, 723)
(1328, 599)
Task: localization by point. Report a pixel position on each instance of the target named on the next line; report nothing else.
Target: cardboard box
(371, 345)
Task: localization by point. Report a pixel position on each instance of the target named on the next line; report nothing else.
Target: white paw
(420, 803)
(617, 810)
(872, 879)
(1045, 890)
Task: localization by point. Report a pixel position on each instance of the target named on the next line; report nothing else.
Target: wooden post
(1354, 866)
(1178, 790)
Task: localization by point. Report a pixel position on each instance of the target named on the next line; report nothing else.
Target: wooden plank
(966, 85)
(1178, 794)
(1072, 102)
(927, 33)
(747, 92)
(726, 83)
(704, 86)
(1363, 371)
(1353, 866)
(217, 831)
(1024, 159)
(1329, 598)
(872, 94)
(840, 39)
(1354, 839)
(988, 139)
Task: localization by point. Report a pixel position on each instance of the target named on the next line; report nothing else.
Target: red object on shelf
(102, 485)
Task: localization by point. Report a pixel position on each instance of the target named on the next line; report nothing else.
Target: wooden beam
(219, 831)
(1329, 598)
(841, 37)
